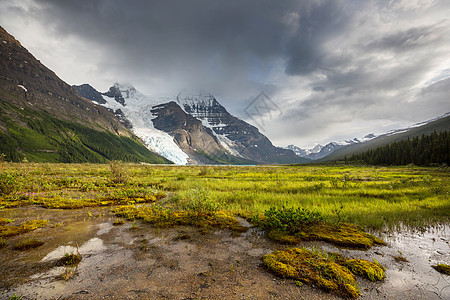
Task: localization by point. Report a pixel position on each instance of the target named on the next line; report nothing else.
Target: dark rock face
(247, 139)
(87, 91)
(123, 119)
(188, 132)
(115, 93)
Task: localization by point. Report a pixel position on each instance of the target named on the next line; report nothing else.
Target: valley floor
(107, 214)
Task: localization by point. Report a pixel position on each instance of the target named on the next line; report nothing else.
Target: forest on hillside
(425, 150)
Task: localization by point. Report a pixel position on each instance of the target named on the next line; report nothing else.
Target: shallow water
(153, 263)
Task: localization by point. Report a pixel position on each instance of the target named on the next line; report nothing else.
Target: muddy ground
(138, 261)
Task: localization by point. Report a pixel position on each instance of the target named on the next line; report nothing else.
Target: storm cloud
(337, 69)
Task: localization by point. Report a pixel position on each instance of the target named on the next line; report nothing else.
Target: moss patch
(165, 217)
(4, 221)
(345, 235)
(27, 244)
(3, 243)
(441, 268)
(70, 260)
(313, 268)
(364, 268)
(6, 230)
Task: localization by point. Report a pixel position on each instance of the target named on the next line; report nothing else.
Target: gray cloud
(336, 68)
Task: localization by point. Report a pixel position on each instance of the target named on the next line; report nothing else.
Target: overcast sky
(333, 69)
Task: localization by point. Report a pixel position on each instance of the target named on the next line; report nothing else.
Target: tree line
(422, 151)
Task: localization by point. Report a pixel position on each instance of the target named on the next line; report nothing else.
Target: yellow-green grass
(372, 197)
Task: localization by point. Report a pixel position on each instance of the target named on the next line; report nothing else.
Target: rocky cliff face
(191, 136)
(90, 93)
(239, 136)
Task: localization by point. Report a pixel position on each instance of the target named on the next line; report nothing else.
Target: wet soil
(139, 261)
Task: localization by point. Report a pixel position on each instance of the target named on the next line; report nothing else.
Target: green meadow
(388, 198)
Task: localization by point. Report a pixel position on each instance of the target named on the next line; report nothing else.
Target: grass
(371, 197)
(336, 204)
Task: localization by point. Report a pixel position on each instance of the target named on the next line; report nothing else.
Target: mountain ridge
(199, 126)
(44, 119)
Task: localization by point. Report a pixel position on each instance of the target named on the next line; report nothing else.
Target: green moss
(27, 244)
(283, 238)
(165, 217)
(6, 230)
(442, 268)
(343, 234)
(346, 235)
(313, 268)
(118, 222)
(69, 260)
(4, 221)
(3, 243)
(364, 268)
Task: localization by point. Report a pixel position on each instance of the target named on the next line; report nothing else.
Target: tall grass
(373, 197)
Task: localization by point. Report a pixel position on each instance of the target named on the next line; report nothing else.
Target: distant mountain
(237, 136)
(193, 128)
(438, 124)
(320, 151)
(44, 119)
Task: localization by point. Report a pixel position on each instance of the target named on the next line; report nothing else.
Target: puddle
(104, 228)
(150, 263)
(92, 246)
(243, 222)
(415, 279)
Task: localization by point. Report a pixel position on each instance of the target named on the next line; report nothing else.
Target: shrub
(290, 220)
(8, 183)
(118, 172)
(199, 202)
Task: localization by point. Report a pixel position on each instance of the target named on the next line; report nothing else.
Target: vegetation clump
(165, 217)
(442, 268)
(118, 172)
(313, 268)
(8, 183)
(70, 260)
(290, 225)
(343, 234)
(4, 221)
(3, 243)
(290, 220)
(329, 271)
(364, 268)
(6, 230)
(28, 244)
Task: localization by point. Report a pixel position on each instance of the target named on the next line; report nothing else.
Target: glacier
(137, 109)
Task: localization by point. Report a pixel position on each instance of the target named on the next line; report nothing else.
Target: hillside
(44, 119)
(425, 128)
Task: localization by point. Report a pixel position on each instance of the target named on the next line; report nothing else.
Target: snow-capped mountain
(190, 128)
(320, 151)
(131, 106)
(237, 136)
